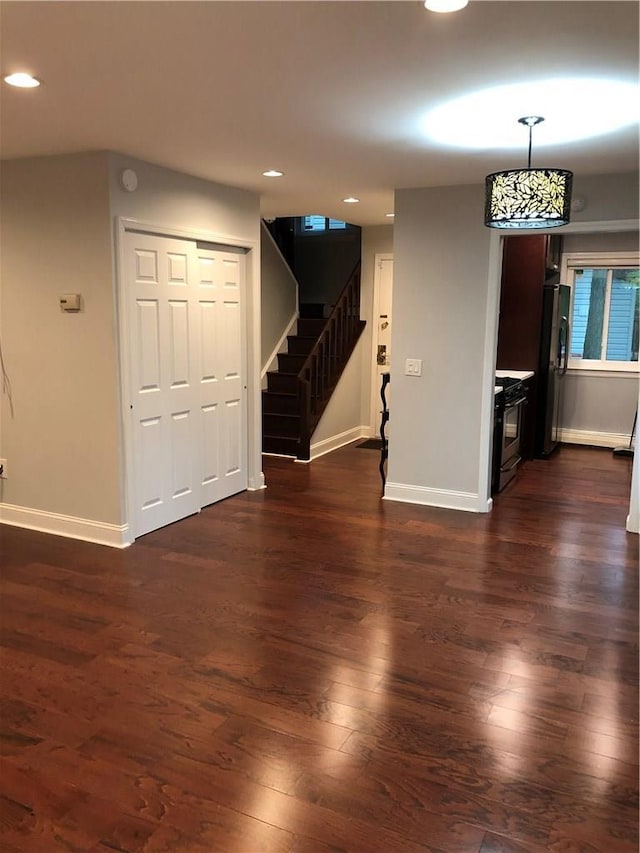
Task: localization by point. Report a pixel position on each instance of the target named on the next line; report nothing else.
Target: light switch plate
(413, 367)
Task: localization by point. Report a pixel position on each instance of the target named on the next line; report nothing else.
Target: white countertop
(514, 374)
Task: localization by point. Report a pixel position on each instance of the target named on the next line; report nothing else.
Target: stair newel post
(314, 389)
(318, 369)
(345, 323)
(325, 366)
(329, 345)
(333, 352)
(304, 392)
(347, 319)
(347, 314)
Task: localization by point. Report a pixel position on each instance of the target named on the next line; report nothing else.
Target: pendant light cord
(530, 121)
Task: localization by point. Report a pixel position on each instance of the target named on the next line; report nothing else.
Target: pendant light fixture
(528, 198)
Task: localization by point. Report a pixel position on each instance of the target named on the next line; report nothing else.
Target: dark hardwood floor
(311, 669)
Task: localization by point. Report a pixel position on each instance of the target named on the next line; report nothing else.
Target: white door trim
(375, 402)
(255, 475)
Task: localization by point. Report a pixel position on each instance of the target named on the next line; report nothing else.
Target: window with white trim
(605, 310)
(320, 224)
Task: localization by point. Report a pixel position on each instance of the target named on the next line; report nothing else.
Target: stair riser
(290, 363)
(312, 310)
(309, 327)
(282, 382)
(300, 345)
(285, 446)
(279, 404)
(287, 426)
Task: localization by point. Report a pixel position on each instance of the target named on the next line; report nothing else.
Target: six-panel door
(187, 377)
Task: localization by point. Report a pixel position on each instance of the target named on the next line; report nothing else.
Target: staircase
(298, 392)
(280, 404)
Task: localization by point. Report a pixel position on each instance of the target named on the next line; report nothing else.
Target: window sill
(601, 372)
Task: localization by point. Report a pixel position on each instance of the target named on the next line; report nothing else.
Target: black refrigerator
(552, 366)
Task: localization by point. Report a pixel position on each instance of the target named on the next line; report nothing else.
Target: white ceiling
(331, 93)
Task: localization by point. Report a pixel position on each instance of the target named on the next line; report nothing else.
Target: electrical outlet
(3, 469)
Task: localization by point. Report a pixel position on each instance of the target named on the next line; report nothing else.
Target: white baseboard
(444, 498)
(336, 441)
(256, 484)
(114, 535)
(594, 439)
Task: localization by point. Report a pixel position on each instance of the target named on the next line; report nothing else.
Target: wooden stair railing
(323, 366)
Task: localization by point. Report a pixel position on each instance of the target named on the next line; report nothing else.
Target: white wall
(279, 296)
(341, 420)
(607, 197)
(617, 241)
(441, 300)
(62, 442)
(599, 408)
(171, 198)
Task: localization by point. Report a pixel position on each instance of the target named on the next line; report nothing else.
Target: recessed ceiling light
(273, 173)
(351, 200)
(390, 214)
(445, 5)
(485, 119)
(22, 80)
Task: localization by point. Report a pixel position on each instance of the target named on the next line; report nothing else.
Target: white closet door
(222, 373)
(187, 345)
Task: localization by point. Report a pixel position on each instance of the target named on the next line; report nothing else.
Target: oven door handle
(512, 405)
(516, 461)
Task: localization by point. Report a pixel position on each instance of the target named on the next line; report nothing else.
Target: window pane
(624, 312)
(588, 313)
(335, 224)
(313, 223)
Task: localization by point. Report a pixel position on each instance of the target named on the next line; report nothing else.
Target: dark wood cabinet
(529, 261)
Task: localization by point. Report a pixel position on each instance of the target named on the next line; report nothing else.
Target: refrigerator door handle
(567, 332)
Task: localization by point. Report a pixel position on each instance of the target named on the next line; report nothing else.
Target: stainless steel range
(507, 433)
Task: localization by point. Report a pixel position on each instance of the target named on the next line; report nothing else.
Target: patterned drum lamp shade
(528, 198)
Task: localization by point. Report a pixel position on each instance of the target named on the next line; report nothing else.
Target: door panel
(222, 374)
(179, 343)
(232, 424)
(181, 451)
(162, 387)
(211, 445)
(187, 377)
(149, 474)
(148, 345)
(177, 272)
